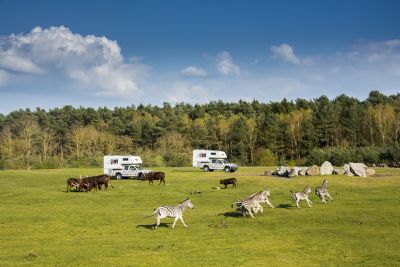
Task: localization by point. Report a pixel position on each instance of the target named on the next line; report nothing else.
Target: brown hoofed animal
(151, 176)
(88, 184)
(73, 182)
(103, 179)
(231, 181)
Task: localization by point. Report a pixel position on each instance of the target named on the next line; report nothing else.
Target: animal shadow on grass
(232, 214)
(151, 226)
(285, 206)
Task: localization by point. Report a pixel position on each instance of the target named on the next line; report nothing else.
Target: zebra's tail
(154, 212)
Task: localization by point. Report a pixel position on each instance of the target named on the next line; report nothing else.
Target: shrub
(265, 157)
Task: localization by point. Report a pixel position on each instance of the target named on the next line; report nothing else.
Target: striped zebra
(172, 212)
(252, 203)
(302, 196)
(322, 191)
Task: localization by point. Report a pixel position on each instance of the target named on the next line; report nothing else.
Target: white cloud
(187, 92)
(286, 53)
(193, 71)
(225, 64)
(94, 62)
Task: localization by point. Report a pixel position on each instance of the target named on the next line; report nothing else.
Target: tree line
(295, 132)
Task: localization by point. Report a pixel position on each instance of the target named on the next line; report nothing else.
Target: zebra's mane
(305, 189)
(325, 184)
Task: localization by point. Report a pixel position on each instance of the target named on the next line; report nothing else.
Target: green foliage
(303, 131)
(265, 157)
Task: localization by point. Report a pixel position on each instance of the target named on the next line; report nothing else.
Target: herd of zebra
(250, 205)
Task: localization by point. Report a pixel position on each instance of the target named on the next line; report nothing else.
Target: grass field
(42, 225)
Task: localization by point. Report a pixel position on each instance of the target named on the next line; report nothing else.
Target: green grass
(41, 225)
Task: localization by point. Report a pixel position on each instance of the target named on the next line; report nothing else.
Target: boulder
(293, 172)
(346, 168)
(282, 171)
(268, 172)
(338, 171)
(370, 172)
(358, 169)
(313, 170)
(302, 171)
(326, 168)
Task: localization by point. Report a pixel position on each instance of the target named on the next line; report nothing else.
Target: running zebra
(172, 212)
(302, 196)
(252, 203)
(322, 191)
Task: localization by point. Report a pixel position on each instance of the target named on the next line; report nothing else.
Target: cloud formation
(92, 62)
(193, 71)
(225, 64)
(285, 52)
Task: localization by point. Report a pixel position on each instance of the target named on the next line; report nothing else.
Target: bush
(265, 157)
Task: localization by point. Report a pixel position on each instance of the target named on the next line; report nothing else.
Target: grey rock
(293, 172)
(338, 171)
(282, 171)
(326, 168)
(303, 171)
(358, 169)
(313, 170)
(268, 172)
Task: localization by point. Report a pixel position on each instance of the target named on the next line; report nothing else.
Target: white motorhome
(210, 160)
(124, 166)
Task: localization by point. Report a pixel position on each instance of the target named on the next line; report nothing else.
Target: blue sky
(117, 53)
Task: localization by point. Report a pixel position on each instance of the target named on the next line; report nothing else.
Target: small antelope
(322, 191)
(302, 196)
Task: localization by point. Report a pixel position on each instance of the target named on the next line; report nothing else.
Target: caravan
(124, 166)
(210, 160)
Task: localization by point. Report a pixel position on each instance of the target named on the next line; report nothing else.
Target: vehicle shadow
(151, 226)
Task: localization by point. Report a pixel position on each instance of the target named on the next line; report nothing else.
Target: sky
(122, 53)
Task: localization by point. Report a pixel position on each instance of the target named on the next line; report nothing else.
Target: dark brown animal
(231, 181)
(88, 184)
(103, 179)
(73, 182)
(151, 176)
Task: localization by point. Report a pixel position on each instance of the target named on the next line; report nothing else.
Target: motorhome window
(125, 159)
(213, 153)
(132, 168)
(203, 155)
(220, 161)
(126, 168)
(114, 161)
(213, 161)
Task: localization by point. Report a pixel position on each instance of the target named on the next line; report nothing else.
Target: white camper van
(124, 166)
(210, 160)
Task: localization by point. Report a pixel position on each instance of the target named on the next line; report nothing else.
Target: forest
(298, 132)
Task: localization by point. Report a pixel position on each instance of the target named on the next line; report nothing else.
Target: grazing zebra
(322, 191)
(172, 212)
(302, 196)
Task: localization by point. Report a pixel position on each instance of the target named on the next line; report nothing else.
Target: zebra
(252, 203)
(322, 191)
(302, 196)
(172, 212)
